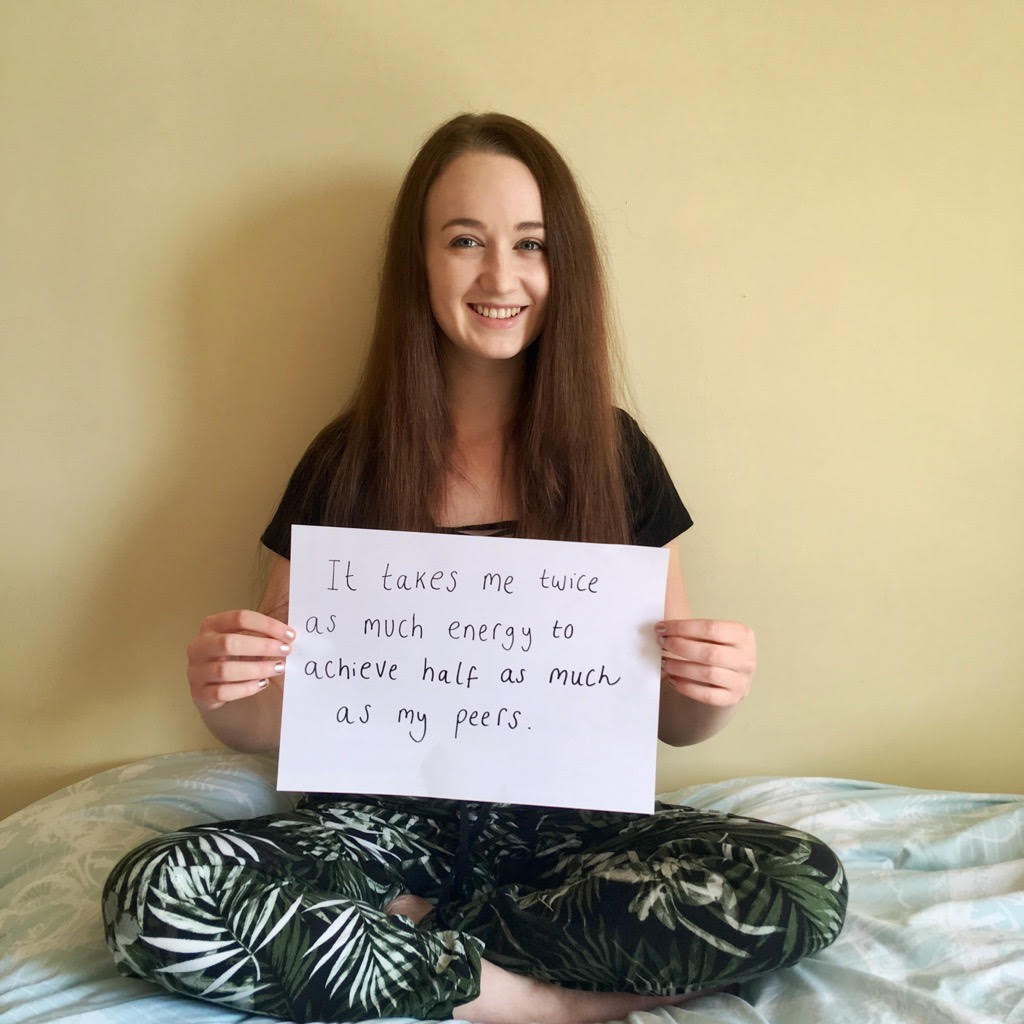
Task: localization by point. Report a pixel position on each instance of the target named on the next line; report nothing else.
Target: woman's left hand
(707, 660)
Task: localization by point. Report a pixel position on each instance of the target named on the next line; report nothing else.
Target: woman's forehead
(485, 187)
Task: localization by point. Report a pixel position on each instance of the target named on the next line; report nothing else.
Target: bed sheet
(935, 930)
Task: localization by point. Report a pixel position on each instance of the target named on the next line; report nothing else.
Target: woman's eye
(463, 242)
(531, 245)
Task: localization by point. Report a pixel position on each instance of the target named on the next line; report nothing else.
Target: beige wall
(813, 213)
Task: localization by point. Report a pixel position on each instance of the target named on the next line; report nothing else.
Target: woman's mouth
(499, 313)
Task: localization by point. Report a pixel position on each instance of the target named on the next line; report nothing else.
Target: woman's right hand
(236, 655)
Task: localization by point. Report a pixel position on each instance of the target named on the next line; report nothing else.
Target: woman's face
(487, 266)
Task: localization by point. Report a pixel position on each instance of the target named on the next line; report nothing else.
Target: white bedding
(935, 931)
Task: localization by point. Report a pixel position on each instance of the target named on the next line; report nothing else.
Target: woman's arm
(706, 666)
(233, 668)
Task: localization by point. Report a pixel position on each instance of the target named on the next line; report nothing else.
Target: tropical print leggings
(283, 915)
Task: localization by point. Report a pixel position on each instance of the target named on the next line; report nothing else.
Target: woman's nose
(497, 273)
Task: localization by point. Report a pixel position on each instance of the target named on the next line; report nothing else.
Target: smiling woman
(486, 407)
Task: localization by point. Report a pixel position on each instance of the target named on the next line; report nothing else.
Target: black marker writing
(336, 668)
(569, 581)
(487, 631)
(313, 625)
(443, 675)
(418, 580)
(344, 717)
(579, 677)
(412, 717)
(348, 574)
(498, 582)
(479, 719)
(403, 628)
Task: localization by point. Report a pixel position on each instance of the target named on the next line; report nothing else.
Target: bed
(935, 931)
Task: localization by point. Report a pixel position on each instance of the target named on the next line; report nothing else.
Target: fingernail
(285, 649)
(290, 633)
(660, 628)
(262, 684)
(278, 668)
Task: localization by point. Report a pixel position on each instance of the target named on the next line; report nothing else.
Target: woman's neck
(482, 400)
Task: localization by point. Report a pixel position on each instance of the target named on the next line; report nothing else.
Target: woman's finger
(720, 696)
(216, 695)
(705, 674)
(233, 671)
(712, 631)
(701, 653)
(247, 620)
(208, 646)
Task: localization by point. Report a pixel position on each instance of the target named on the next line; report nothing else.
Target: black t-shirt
(656, 512)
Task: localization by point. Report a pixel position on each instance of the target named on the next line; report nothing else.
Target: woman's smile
(498, 317)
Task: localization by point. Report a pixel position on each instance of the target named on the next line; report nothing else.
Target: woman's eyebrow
(469, 222)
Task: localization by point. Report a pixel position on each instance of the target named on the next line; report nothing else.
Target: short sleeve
(657, 514)
(303, 503)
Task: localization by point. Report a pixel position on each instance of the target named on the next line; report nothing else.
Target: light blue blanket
(935, 931)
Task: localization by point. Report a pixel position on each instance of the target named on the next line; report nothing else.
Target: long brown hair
(383, 461)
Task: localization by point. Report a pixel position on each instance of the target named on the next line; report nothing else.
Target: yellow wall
(814, 218)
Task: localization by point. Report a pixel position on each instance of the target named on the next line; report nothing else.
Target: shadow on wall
(262, 340)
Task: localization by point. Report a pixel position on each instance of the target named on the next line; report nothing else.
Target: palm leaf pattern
(283, 915)
(671, 902)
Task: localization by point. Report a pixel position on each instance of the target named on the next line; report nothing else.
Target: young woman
(485, 407)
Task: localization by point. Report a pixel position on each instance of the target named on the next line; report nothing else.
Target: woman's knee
(126, 896)
(815, 893)
(135, 870)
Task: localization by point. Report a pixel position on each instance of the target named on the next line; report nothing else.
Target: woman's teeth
(496, 313)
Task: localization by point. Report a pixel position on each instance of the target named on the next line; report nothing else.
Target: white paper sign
(474, 668)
